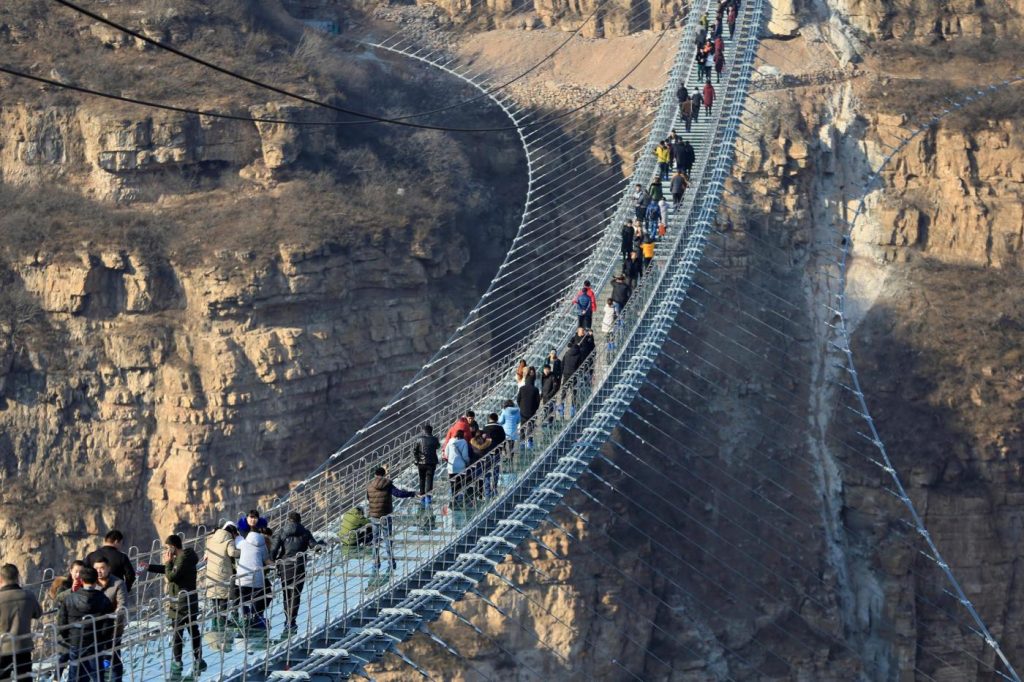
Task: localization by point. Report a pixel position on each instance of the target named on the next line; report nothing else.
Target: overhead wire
(371, 118)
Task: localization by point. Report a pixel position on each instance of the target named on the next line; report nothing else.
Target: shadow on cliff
(937, 365)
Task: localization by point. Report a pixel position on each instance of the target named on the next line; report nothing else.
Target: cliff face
(194, 312)
(149, 393)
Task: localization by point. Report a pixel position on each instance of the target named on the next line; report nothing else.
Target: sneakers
(176, 668)
(200, 666)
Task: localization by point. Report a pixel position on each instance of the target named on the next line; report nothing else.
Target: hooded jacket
(709, 95)
(17, 609)
(627, 237)
(253, 556)
(351, 522)
(509, 420)
(75, 614)
(293, 540)
(457, 455)
(221, 554)
(379, 492)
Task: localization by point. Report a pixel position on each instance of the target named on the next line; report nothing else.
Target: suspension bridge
(353, 614)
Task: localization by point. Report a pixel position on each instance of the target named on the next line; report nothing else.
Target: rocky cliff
(196, 311)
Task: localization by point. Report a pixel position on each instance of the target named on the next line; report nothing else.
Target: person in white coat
(457, 455)
(254, 556)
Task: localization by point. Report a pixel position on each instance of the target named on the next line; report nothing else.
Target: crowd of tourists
(90, 602)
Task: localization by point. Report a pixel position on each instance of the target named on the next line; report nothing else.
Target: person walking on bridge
(687, 158)
(18, 608)
(380, 492)
(709, 96)
(627, 239)
(424, 456)
(289, 550)
(584, 305)
(679, 185)
(640, 201)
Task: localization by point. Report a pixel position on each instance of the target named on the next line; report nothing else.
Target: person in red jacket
(461, 424)
(709, 95)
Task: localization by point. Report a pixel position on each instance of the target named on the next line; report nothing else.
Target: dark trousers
(586, 319)
(186, 617)
(254, 603)
(677, 197)
(293, 578)
(426, 478)
(16, 666)
(664, 170)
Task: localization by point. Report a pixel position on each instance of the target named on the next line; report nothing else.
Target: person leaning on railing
(221, 555)
(18, 608)
(181, 569)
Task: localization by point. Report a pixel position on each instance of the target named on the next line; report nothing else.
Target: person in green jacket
(180, 567)
(355, 528)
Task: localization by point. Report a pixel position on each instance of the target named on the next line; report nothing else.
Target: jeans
(83, 667)
(382, 532)
(16, 666)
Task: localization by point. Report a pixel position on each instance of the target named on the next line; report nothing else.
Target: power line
(371, 118)
(255, 119)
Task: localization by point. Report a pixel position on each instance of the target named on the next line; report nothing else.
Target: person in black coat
(528, 401)
(528, 398)
(632, 269)
(120, 565)
(688, 157)
(621, 292)
(586, 344)
(289, 549)
(554, 363)
(83, 627)
(570, 363)
(627, 239)
(550, 384)
(424, 456)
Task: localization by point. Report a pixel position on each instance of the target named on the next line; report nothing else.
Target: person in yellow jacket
(648, 249)
(664, 156)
